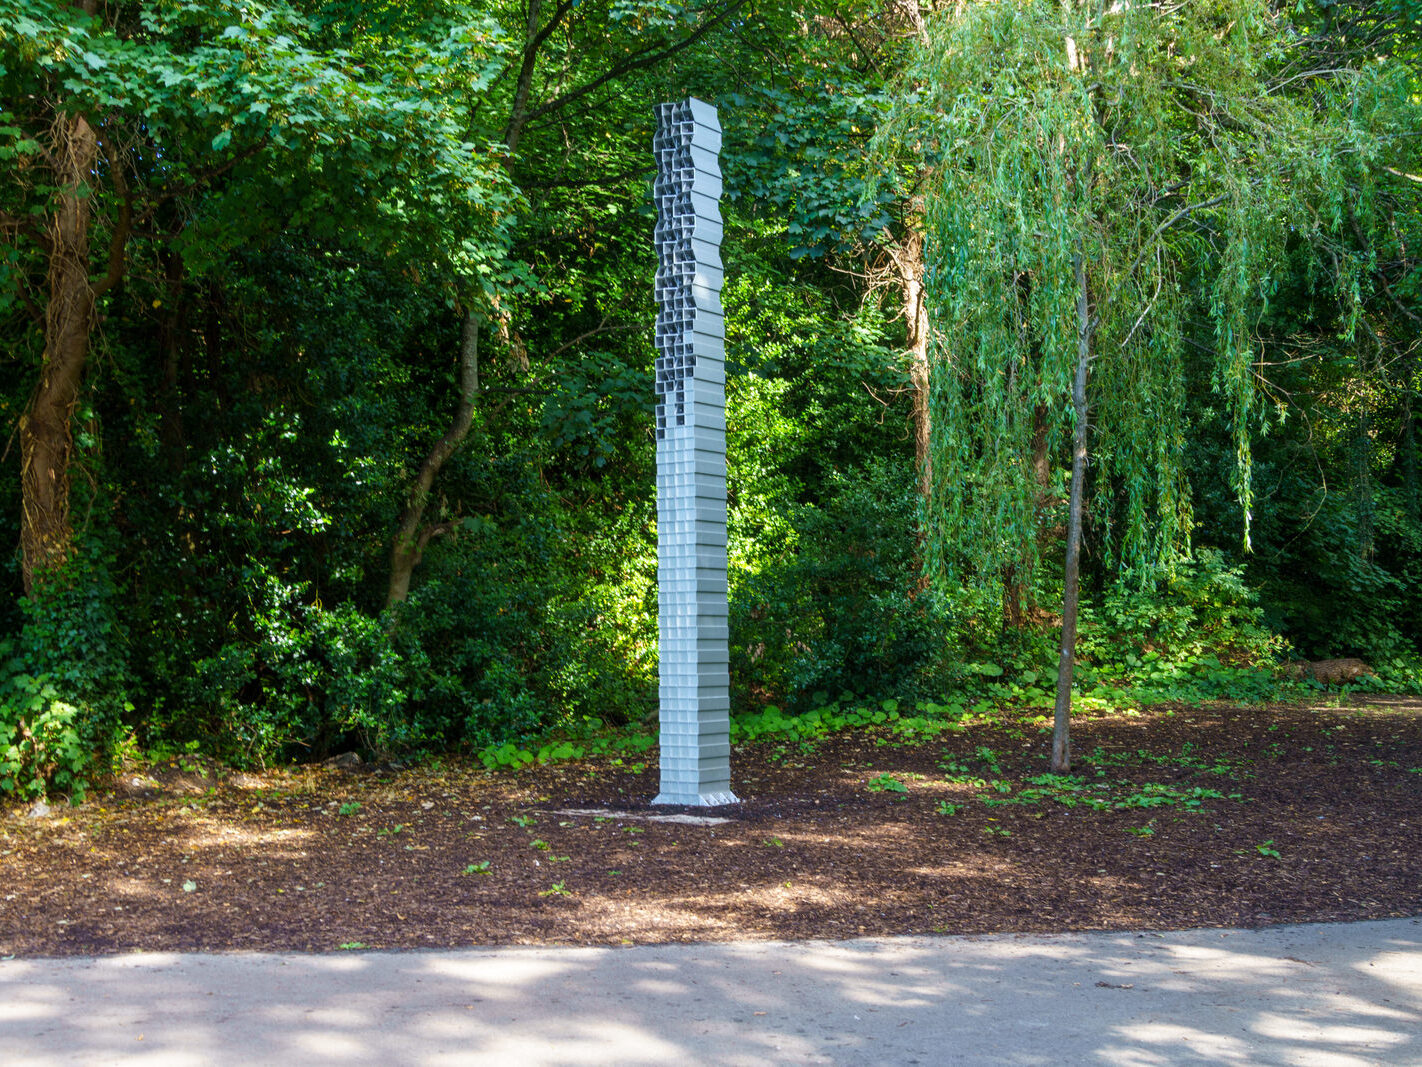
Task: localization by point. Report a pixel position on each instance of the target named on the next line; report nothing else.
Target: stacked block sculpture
(691, 460)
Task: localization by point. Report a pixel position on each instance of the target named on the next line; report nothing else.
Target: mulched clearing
(453, 856)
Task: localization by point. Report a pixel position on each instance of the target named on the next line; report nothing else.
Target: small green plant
(988, 758)
(997, 831)
(507, 755)
(390, 831)
(541, 845)
(557, 889)
(522, 821)
(348, 945)
(1141, 831)
(886, 784)
(482, 867)
(946, 808)
(40, 743)
(1267, 849)
(349, 808)
(774, 842)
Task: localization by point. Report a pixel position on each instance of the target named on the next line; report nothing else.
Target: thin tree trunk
(46, 440)
(523, 84)
(1061, 726)
(1409, 462)
(908, 260)
(414, 534)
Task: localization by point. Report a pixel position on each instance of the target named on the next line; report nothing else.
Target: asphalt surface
(1317, 994)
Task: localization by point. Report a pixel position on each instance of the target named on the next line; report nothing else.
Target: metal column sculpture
(691, 460)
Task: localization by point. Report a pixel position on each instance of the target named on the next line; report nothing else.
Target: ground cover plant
(1175, 815)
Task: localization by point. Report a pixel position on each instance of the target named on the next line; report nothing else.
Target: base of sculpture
(697, 800)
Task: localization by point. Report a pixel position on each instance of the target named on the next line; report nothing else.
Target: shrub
(41, 744)
(846, 613)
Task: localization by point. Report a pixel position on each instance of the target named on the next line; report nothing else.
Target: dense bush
(844, 610)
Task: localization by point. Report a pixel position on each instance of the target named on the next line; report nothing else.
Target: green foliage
(817, 723)
(525, 646)
(1070, 792)
(65, 681)
(886, 783)
(302, 679)
(1338, 596)
(594, 739)
(846, 614)
(42, 747)
(1072, 157)
(1196, 634)
(1395, 675)
(317, 204)
(320, 119)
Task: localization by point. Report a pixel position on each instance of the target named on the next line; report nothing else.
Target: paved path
(1322, 994)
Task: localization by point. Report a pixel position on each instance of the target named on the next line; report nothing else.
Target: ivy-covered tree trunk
(46, 440)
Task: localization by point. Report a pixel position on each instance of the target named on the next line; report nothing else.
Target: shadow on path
(1318, 994)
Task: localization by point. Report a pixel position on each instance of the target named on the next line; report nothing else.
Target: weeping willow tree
(1107, 184)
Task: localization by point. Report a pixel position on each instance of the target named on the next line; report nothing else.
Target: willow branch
(1149, 244)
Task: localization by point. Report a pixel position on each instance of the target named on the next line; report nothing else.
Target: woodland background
(327, 359)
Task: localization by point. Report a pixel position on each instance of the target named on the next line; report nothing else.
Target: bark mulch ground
(1176, 817)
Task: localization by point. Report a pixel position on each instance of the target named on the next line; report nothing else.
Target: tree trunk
(1061, 726)
(46, 440)
(414, 534)
(908, 260)
(1409, 462)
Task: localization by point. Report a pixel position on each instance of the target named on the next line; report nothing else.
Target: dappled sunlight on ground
(1317, 995)
(216, 835)
(1327, 824)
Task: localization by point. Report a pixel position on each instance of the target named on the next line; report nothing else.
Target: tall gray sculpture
(691, 460)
